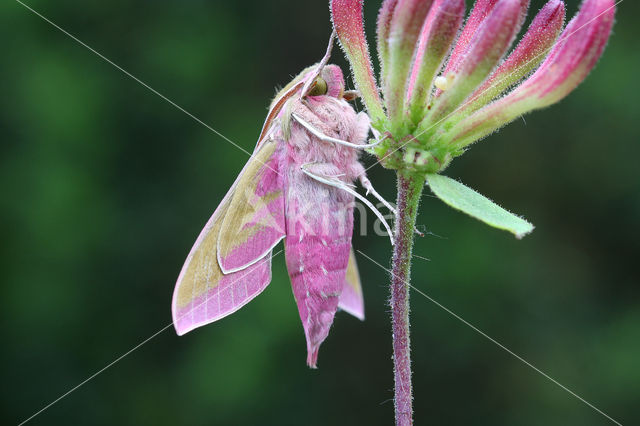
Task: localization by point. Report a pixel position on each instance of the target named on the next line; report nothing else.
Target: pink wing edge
(352, 302)
(352, 299)
(255, 276)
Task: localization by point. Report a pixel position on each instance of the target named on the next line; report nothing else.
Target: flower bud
(383, 28)
(491, 41)
(531, 51)
(479, 13)
(406, 23)
(572, 58)
(438, 33)
(349, 25)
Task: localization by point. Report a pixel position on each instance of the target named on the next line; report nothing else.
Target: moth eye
(319, 87)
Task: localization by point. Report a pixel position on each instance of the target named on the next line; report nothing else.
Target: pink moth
(297, 186)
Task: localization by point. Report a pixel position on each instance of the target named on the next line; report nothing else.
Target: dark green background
(105, 187)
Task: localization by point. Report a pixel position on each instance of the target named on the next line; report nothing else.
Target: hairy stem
(409, 192)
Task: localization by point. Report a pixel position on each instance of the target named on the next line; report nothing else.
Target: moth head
(332, 75)
(329, 82)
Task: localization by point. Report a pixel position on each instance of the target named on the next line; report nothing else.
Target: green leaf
(467, 200)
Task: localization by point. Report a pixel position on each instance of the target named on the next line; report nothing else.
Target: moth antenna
(341, 185)
(324, 61)
(285, 119)
(276, 108)
(317, 133)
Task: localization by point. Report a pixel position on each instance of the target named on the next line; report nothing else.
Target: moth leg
(337, 183)
(317, 133)
(366, 184)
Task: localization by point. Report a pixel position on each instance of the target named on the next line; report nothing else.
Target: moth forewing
(205, 292)
(254, 223)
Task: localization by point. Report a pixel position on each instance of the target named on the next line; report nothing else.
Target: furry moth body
(297, 186)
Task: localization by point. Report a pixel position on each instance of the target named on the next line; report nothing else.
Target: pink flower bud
(531, 51)
(481, 10)
(491, 41)
(572, 58)
(383, 29)
(406, 23)
(349, 25)
(575, 54)
(438, 33)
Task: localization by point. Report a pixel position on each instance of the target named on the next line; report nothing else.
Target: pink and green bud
(491, 42)
(531, 51)
(406, 23)
(438, 33)
(383, 29)
(574, 55)
(349, 25)
(480, 11)
(431, 118)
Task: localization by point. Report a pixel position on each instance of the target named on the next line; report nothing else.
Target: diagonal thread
(120, 358)
(137, 80)
(494, 341)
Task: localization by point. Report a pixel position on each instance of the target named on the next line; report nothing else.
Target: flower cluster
(447, 82)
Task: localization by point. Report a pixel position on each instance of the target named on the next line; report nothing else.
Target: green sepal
(465, 199)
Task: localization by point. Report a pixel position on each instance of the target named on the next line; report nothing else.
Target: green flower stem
(409, 192)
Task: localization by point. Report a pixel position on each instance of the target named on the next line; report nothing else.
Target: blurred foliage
(105, 187)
